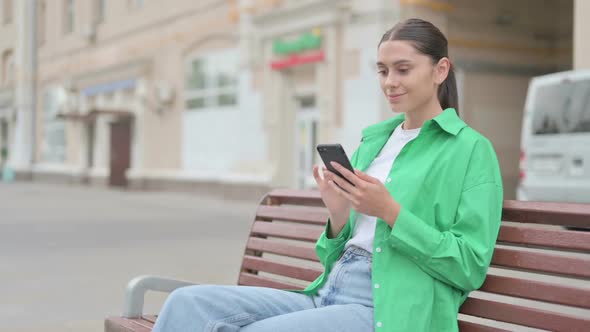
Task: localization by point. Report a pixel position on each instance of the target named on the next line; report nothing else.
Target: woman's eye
(403, 71)
(382, 72)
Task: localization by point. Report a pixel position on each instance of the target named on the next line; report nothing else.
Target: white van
(555, 142)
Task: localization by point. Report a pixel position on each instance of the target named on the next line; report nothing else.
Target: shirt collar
(448, 121)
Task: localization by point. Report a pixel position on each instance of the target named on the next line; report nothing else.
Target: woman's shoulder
(483, 161)
(475, 140)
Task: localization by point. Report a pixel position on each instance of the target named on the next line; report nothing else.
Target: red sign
(298, 59)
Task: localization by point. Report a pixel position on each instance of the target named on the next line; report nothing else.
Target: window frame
(52, 126)
(212, 90)
(69, 14)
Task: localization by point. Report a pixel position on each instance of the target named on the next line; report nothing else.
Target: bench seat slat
(465, 326)
(287, 270)
(554, 238)
(247, 279)
(284, 249)
(302, 215)
(122, 324)
(296, 197)
(537, 290)
(542, 262)
(294, 232)
(552, 213)
(521, 315)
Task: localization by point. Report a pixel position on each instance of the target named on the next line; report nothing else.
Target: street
(67, 252)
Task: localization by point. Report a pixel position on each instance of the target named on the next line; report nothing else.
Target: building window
(41, 19)
(212, 81)
(7, 67)
(69, 16)
(7, 11)
(54, 130)
(99, 11)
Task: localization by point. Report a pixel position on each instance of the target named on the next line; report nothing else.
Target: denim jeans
(344, 303)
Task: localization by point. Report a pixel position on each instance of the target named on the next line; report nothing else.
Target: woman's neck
(416, 118)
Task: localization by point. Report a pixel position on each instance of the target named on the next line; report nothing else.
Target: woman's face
(407, 77)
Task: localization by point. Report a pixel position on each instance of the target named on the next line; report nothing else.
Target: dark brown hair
(430, 41)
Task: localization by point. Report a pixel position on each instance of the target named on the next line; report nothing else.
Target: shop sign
(302, 50)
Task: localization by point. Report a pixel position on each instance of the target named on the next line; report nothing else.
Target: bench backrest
(539, 278)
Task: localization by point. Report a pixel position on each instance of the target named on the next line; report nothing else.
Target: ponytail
(447, 92)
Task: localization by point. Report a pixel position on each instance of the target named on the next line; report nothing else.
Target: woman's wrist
(337, 223)
(391, 212)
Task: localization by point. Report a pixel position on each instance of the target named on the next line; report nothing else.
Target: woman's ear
(442, 70)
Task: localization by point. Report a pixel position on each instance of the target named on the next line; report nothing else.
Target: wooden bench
(540, 274)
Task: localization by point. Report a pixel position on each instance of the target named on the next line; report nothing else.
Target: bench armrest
(135, 293)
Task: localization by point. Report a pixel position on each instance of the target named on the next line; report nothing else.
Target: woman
(406, 244)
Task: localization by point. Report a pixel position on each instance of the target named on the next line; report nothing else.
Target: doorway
(306, 137)
(120, 152)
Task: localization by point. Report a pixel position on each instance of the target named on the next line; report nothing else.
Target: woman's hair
(428, 40)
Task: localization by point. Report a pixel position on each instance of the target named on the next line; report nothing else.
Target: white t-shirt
(364, 230)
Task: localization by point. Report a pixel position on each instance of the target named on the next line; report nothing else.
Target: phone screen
(336, 153)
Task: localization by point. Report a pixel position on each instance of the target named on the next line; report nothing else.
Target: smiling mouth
(395, 97)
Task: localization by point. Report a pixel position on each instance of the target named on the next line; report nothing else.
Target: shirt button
(378, 249)
(379, 324)
(388, 180)
(376, 285)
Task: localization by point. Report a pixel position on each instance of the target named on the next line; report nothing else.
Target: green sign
(307, 41)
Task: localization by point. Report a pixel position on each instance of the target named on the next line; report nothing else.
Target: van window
(562, 108)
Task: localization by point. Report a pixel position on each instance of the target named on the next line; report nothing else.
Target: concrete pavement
(66, 253)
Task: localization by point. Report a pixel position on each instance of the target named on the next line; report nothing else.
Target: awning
(92, 115)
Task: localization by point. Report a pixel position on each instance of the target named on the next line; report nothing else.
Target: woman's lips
(395, 97)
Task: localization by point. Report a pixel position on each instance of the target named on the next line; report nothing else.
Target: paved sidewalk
(66, 253)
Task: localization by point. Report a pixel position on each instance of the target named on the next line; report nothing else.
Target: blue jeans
(344, 303)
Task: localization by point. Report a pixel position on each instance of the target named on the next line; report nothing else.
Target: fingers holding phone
(336, 204)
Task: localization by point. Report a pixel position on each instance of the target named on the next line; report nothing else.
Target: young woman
(408, 241)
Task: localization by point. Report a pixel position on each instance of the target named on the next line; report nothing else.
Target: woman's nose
(392, 81)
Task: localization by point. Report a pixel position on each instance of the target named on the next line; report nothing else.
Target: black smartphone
(334, 152)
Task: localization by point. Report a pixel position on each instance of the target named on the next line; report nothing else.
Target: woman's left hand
(368, 195)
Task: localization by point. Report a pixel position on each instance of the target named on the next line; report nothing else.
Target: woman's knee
(191, 294)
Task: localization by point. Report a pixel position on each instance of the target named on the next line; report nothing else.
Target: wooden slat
(286, 270)
(297, 214)
(537, 290)
(565, 214)
(303, 233)
(542, 262)
(122, 324)
(247, 279)
(555, 238)
(150, 318)
(518, 314)
(296, 197)
(465, 326)
(285, 249)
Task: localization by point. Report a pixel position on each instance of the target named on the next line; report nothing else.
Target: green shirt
(448, 183)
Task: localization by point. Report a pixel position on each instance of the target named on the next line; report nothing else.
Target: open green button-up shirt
(448, 183)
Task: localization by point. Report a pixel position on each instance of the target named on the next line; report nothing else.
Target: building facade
(231, 97)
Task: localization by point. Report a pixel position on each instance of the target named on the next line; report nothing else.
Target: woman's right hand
(338, 206)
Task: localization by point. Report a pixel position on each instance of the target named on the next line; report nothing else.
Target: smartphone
(334, 152)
